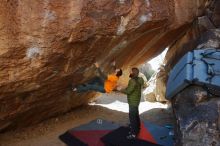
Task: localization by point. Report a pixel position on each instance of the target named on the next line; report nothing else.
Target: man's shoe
(74, 89)
(131, 137)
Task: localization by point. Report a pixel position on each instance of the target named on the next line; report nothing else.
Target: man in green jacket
(133, 92)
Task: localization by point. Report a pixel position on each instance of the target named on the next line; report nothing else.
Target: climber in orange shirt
(103, 83)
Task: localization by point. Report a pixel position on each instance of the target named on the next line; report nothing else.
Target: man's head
(134, 72)
(118, 72)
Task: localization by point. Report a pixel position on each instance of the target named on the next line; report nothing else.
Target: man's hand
(113, 63)
(96, 65)
(119, 88)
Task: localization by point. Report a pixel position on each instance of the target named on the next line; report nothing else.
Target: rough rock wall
(45, 45)
(197, 111)
(197, 117)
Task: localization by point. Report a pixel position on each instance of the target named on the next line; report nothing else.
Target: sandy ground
(112, 107)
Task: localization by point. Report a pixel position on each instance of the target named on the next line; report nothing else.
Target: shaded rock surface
(45, 45)
(197, 111)
(197, 117)
(147, 70)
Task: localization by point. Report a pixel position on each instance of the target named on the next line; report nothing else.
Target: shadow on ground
(47, 132)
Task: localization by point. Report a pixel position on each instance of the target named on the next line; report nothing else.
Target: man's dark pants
(96, 84)
(134, 120)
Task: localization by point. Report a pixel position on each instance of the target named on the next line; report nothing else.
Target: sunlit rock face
(156, 87)
(46, 45)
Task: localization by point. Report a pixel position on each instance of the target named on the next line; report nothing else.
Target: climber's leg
(96, 81)
(89, 87)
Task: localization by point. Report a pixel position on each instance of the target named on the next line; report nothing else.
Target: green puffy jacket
(133, 91)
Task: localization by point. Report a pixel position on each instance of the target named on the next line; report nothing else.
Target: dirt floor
(112, 107)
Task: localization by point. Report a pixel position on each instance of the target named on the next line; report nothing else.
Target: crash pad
(88, 134)
(118, 138)
(198, 67)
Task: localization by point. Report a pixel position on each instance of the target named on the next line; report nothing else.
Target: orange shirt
(111, 83)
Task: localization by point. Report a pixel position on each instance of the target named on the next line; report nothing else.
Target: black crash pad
(118, 138)
(71, 140)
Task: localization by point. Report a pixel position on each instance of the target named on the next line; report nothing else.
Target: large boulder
(45, 45)
(197, 118)
(197, 111)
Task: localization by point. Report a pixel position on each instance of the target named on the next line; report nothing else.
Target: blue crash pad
(198, 67)
(160, 134)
